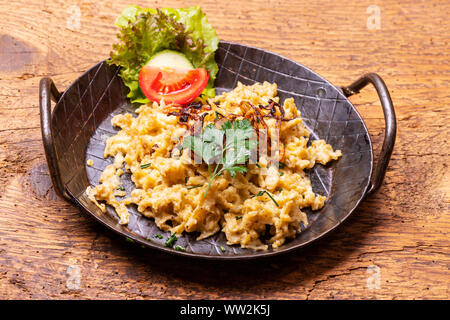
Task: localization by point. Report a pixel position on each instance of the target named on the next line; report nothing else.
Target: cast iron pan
(81, 122)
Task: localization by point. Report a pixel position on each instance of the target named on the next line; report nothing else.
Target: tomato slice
(172, 85)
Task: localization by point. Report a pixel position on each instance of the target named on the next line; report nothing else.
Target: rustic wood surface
(396, 245)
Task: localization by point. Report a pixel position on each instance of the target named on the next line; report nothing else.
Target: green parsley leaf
(232, 155)
(260, 193)
(193, 187)
(180, 248)
(171, 240)
(222, 248)
(158, 235)
(129, 239)
(145, 165)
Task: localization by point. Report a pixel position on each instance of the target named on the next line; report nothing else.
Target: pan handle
(390, 129)
(48, 92)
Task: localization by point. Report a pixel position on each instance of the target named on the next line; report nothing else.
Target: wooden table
(395, 246)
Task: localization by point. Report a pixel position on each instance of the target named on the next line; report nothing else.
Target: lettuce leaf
(146, 31)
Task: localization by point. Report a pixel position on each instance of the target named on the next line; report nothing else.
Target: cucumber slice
(170, 59)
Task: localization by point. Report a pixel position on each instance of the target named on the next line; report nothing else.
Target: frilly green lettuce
(146, 31)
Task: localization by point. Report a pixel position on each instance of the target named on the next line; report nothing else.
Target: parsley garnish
(180, 248)
(259, 194)
(146, 165)
(171, 240)
(232, 155)
(193, 187)
(282, 165)
(281, 174)
(121, 188)
(222, 248)
(239, 218)
(186, 179)
(158, 235)
(129, 239)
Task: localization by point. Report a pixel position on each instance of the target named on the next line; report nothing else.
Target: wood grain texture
(49, 249)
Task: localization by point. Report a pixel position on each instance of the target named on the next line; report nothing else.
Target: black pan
(77, 128)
